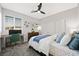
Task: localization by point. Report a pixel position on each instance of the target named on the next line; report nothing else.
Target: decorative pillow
(66, 39)
(71, 40)
(77, 36)
(75, 43)
(73, 36)
(59, 37)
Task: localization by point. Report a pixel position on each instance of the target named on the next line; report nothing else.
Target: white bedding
(33, 43)
(59, 50)
(43, 45)
(48, 45)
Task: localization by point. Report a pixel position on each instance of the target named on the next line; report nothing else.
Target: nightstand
(31, 34)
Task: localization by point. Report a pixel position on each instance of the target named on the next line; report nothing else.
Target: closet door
(60, 26)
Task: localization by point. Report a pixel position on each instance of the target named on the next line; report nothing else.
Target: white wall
(0, 19)
(0, 25)
(60, 22)
(25, 30)
(78, 15)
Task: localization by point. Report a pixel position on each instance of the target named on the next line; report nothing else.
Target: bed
(48, 45)
(41, 46)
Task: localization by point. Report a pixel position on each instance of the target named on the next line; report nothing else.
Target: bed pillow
(53, 37)
(75, 43)
(70, 40)
(66, 39)
(59, 37)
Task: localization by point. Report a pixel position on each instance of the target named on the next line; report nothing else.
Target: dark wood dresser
(31, 34)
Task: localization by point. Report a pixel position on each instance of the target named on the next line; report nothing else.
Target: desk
(6, 38)
(3, 40)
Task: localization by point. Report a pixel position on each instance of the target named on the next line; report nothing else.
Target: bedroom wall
(25, 30)
(78, 15)
(0, 25)
(0, 19)
(60, 22)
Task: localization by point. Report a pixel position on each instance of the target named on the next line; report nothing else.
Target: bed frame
(41, 54)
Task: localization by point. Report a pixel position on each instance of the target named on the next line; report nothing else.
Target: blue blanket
(40, 37)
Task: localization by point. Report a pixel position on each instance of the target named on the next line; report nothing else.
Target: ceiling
(48, 8)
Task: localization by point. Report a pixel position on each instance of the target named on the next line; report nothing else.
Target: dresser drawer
(31, 34)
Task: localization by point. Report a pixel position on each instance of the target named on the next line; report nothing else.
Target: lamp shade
(39, 28)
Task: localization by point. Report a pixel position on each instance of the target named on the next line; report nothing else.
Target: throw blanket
(40, 37)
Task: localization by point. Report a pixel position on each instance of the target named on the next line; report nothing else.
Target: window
(12, 23)
(18, 23)
(9, 22)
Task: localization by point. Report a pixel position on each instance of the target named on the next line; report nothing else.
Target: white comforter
(43, 45)
(59, 50)
(48, 45)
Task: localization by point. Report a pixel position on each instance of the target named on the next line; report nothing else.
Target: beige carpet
(19, 50)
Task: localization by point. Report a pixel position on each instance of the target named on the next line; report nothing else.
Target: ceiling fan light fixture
(38, 11)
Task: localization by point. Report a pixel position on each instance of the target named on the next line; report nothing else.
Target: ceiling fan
(39, 9)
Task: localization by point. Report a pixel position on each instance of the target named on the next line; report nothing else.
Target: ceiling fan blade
(42, 12)
(34, 11)
(39, 6)
(39, 9)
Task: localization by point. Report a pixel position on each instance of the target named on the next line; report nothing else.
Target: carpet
(19, 50)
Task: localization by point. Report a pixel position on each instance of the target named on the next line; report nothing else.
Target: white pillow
(53, 37)
(65, 40)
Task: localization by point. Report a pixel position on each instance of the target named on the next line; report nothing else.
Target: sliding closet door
(48, 27)
(60, 26)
